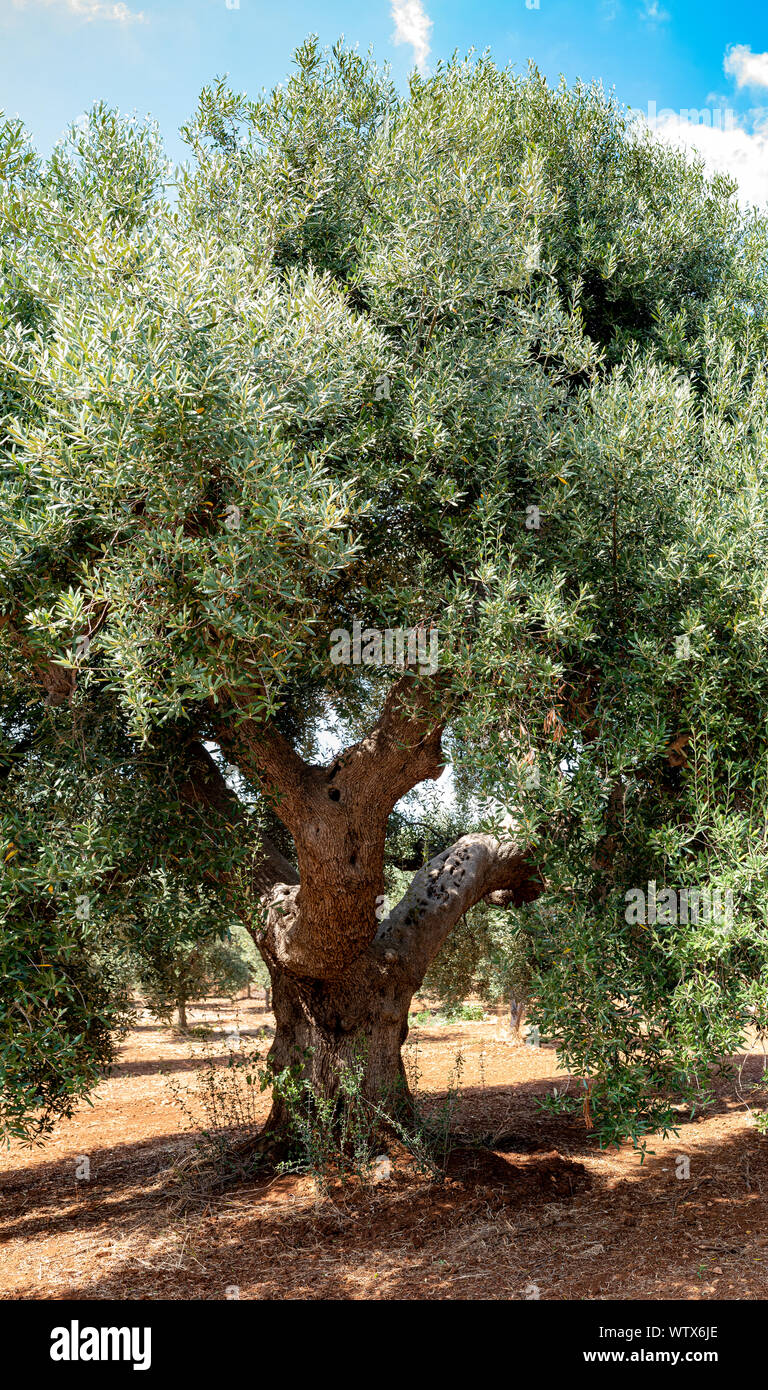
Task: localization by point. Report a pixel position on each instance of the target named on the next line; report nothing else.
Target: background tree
(175, 968)
(483, 357)
(249, 953)
(488, 954)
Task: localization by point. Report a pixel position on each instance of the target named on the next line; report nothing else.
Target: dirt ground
(551, 1217)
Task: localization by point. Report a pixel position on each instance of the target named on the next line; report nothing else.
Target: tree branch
(401, 750)
(207, 787)
(338, 816)
(475, 867)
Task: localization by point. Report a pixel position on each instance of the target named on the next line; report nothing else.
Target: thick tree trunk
(359, 1018)
(181, 1015)
(357, 1023)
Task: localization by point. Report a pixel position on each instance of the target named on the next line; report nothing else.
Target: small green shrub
(331, 1138)
(449, 1013)
(464, 1013)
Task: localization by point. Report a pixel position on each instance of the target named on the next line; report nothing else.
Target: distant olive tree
(171, 981)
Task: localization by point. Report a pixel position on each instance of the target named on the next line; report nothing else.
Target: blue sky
(666, 58)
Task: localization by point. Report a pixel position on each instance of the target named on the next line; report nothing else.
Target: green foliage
(248, 953)
(451, 1013)
(465, 1013)
(341, 1137)
(330, 1136)
(199, 482)
(489, 953)
(334, 1138)
(179, 971)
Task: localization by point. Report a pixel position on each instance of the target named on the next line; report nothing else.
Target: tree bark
(344, 969)
(337, 816)
(516, 1016)
(359, 1019)
(357, 1023)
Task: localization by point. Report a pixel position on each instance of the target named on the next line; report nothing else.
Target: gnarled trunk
(359, 1017)
(343, 978)
(358, 1022)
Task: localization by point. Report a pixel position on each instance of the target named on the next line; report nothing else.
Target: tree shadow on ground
(497, 1224)
(42, 1200)
(164, 1065)
(491, 1235)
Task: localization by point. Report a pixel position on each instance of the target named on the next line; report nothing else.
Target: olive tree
(391, 432)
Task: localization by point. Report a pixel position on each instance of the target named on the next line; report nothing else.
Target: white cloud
(733, 150)
(412, 25)
(90, 9)
(750, 69)
(653, 12)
